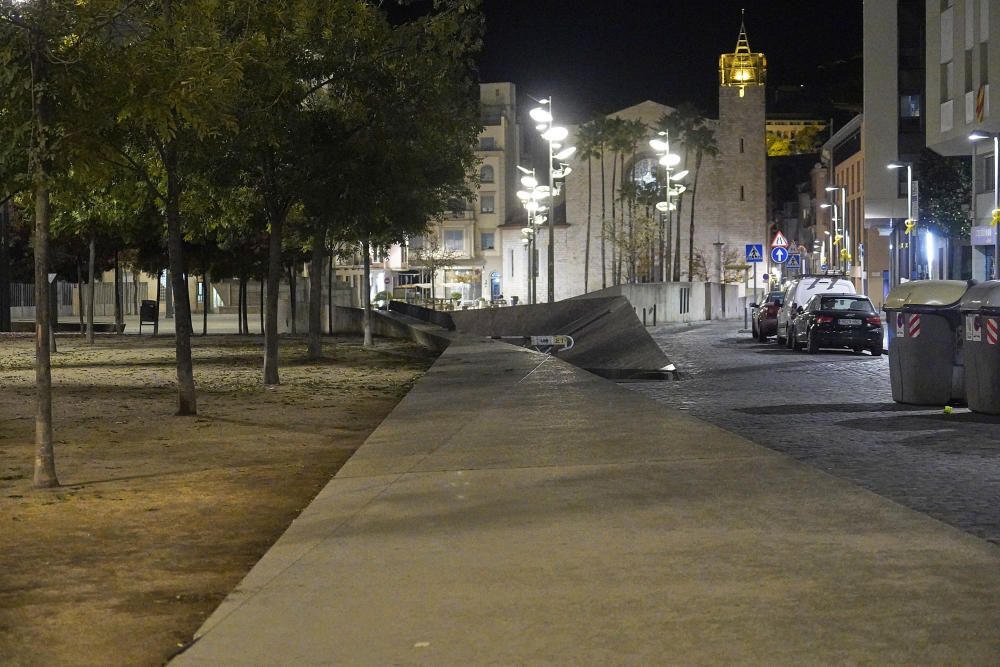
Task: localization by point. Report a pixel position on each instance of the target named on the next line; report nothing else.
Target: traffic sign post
(779, 255)
(754, 253)
(794, 262)
(779, 241)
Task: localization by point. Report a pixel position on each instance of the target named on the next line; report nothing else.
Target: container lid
(985, 295)
(944, 293)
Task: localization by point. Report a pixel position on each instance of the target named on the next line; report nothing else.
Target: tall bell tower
(742, 146)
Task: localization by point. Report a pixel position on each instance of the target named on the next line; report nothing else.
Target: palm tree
(602, 132)
(589, 143)
(613, 140)
(702, 141)
(633, 132)
(684, 120)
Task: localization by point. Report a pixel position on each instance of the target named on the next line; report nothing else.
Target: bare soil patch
(159, 517)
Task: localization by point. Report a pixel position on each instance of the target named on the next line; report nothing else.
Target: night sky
(602, 55)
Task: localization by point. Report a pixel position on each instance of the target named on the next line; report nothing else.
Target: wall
(704, 301)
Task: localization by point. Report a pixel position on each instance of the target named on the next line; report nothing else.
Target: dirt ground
(159, 517)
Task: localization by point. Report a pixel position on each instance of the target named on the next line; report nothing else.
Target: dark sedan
(838, 321)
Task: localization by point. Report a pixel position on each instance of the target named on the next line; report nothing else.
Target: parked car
(765, 316)
(837, 320)
(797, 292)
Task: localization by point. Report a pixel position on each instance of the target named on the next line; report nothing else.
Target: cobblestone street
(834, 411)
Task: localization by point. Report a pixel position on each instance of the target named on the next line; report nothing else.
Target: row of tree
(248, 128)
(636, 244)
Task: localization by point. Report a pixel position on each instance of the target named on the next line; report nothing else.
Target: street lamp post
(531, 197)
(834, 259)
(995, 213)
(844, 230)
(911, 224)
(554, 135)
(668, 161)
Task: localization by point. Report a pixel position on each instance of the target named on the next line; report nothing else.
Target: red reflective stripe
(913, 326)
(991, 331)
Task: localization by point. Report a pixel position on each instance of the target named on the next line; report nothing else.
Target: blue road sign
(822, 267)
(755, 252)
(779, 254)
(794, 261)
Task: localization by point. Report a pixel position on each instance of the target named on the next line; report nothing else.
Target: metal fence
(22, 298)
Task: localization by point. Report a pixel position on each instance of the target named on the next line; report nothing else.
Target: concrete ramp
(609, 339)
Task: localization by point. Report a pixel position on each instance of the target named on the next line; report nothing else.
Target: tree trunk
(694, 194)
(293, 297)
(204, 304)
(316, 296)
(586, 245)
(79, 283)
(91, 260)
(262, 307)
(367, 295)
(677, 240)
(187, 403)
(614, 221)
(45, 462)
(156, 320)
(119, 317)
(329, 296)
(5, 323)
(241, 299)
(277, 219)
(604, 259)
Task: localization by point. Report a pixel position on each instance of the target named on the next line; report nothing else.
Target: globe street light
(554, 135)
(995, 213)
(530, 198)
(668, 160)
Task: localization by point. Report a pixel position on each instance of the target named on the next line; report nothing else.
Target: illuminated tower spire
(742, 68)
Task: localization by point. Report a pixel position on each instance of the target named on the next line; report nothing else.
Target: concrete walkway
(514, 510)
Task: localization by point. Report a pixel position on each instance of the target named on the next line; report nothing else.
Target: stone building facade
(730, 208)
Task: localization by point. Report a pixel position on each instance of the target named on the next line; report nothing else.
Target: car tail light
(874, 320)
(824, 319)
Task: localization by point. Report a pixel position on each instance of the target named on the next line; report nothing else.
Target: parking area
(834, 411)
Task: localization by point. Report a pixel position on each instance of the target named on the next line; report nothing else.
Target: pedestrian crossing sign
(794, 262)
(754, 253)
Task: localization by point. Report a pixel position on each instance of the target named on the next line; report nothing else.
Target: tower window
(741, 144)
(741, 193)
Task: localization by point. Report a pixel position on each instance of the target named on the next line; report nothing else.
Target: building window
(741, 144)
(486, 204)
(969, 55)
(487, 241)
(486, 174)
(416, 242)
(984, 173)
(487, 143)
(947, 70)
(511, 263)
(909, 106)
(741, 194)
(454, 240)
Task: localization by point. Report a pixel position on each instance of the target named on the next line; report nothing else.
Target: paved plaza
(514, 509)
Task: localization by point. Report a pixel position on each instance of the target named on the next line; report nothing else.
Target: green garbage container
(981, 315)
(925, 342)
